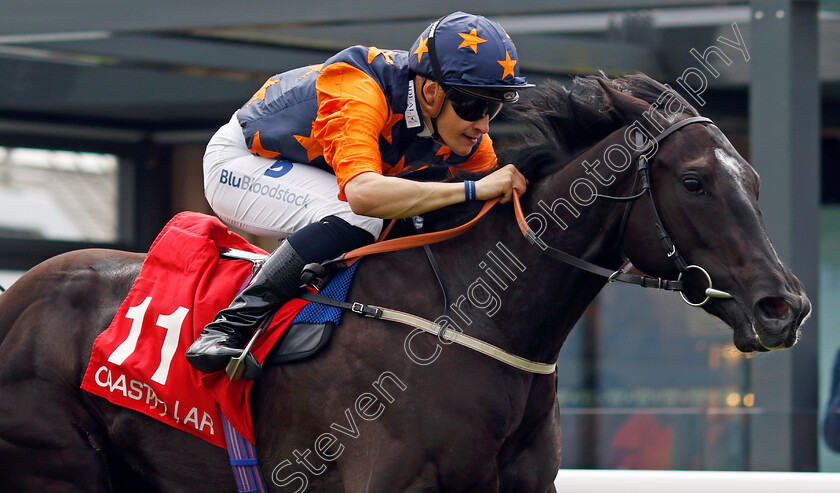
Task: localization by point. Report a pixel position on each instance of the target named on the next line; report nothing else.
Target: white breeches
(267, 197)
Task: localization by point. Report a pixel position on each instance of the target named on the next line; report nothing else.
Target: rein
(440, 330)
(406, 242)
(643, 177)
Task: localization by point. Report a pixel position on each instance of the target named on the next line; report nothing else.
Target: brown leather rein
(406, 242)
(420, 240)
(612, 276)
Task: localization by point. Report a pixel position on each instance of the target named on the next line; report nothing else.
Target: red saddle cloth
(138, 361)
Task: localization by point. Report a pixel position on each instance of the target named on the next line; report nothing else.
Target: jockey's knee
(330, 237)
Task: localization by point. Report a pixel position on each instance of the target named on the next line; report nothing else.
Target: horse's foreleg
(386, 478)
(534, 466)
(409, 469)
(426, 481)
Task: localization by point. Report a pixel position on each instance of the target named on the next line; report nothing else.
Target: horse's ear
(626, 107)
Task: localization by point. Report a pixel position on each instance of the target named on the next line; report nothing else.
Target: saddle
(138, 361)
(313, 327)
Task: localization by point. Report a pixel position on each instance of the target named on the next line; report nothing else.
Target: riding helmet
(473, 53)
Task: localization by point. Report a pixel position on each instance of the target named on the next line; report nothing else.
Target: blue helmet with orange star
(471, 54)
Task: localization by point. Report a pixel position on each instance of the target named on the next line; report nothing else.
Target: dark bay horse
(379, 410)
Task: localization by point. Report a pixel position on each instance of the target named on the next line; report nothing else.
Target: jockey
(322, 154)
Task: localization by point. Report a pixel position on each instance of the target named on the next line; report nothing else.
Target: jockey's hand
(501, 182)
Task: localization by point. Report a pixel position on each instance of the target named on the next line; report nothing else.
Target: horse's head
(707, 197)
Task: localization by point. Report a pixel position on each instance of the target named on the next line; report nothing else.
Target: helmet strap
(435, 134)
(433, 59)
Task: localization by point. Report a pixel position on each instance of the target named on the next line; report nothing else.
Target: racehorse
(444, 418)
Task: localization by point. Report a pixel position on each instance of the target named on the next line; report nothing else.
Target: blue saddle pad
(311, 330)
(339, 285)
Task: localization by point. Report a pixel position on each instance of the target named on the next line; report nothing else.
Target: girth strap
(357, 308)
(433, 328)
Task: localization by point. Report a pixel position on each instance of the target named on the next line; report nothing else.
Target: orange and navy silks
(138, 361)
(350, 115)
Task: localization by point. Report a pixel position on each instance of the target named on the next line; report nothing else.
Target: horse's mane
(565, 120)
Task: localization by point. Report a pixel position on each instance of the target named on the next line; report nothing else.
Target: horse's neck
(546, 299)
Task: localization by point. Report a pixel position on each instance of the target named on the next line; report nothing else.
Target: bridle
(642, 178)
(443, 332)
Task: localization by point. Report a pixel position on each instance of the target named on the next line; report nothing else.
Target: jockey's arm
(351, 116)
(372, 194)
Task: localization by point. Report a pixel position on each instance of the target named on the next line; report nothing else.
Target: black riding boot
(226, 336)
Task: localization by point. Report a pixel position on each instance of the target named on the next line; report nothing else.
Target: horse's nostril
(772, 307)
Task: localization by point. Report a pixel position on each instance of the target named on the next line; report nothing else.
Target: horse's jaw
(756, 330)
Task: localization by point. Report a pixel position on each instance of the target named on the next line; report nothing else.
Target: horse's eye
(692, 185)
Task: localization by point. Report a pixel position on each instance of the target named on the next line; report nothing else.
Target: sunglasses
(471, 108)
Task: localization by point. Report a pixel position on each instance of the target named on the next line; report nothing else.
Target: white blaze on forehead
(733, 167)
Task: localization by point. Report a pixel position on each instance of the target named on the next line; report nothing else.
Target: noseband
(643, 178)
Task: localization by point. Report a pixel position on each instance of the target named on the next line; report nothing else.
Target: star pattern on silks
(444, 151)
(389, 127)
(313, 69)
(312, 146)
(394, 170)
(421, 48)
(374, 52)
(508, 65)
(260, 94)
(257, 148)
(471, 39)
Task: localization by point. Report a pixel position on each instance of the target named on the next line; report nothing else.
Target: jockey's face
(455, 132)
(458, 134)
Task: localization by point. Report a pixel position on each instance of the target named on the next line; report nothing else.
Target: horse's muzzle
(776, 320)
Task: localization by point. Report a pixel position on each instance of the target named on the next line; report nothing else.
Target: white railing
(627, 481)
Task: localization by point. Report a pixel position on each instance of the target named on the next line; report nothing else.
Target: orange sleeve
(483, 159)
(352, 112)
